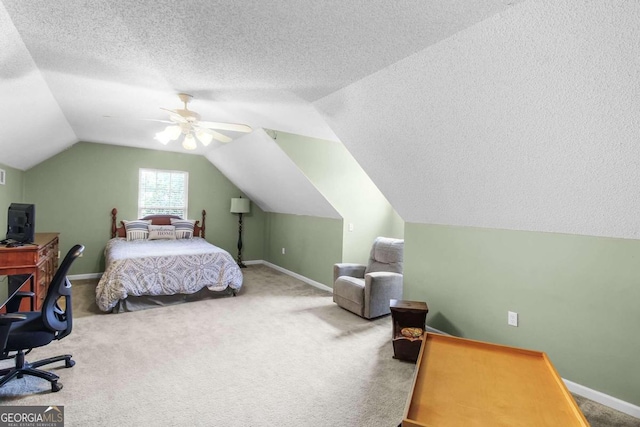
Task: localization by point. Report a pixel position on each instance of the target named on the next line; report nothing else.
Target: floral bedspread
(164, 267)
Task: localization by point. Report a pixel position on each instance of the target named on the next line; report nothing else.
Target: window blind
(162, 192)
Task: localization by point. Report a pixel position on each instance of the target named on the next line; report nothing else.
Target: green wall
(576, 296)
(11, 192)
(341, 180)
(75, 191)
(312, 245)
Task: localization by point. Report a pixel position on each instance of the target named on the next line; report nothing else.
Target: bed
(148, 270)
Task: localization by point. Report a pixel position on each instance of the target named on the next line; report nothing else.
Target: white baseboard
(604, 399)
(296, 275)
(436, 331)
(85, 276)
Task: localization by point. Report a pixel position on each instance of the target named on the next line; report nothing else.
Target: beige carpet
(279, 354)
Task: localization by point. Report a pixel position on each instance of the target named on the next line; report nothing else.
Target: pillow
(159, 232)
(184, 227)
(137, 229)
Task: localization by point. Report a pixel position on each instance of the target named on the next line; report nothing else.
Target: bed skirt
(144, 302)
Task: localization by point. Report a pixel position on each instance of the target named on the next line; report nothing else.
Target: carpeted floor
(279, 354)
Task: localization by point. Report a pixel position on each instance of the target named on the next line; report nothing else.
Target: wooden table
(461, 382)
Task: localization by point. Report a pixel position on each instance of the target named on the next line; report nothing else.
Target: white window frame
(186, 192)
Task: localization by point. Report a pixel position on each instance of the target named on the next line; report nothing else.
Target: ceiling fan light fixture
(170, 133)
(173, 132)
(162, 137)
(189, 142)
(204, 137)
(186, 122)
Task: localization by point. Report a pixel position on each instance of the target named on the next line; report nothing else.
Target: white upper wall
(529, 120)
(33, 125)
(262, 171)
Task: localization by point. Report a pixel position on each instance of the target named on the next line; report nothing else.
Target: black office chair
(22, 331)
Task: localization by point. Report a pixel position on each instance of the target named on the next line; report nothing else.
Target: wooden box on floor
(461, 382)
(407, 314)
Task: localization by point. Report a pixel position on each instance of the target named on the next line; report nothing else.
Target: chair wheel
(56, 387)
(69, 363)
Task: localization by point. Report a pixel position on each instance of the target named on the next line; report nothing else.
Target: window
(162, 192)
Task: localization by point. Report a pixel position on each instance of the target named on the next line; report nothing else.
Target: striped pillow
(184, 227)
(137, 229)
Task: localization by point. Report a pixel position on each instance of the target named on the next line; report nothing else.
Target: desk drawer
(18, 257)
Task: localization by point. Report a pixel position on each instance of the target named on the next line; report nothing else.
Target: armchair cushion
(386, 255)
(348, 269)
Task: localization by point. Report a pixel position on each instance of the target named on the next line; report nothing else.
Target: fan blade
(236, 127)
(174, 116)
(215, 135)
(219, 137)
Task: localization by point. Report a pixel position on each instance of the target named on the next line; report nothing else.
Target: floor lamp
(240, 206)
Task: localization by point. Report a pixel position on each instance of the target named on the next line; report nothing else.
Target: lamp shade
(240, 205)
(204, 137)
(189, 142)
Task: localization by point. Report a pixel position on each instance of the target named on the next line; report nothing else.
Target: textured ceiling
(526, 121)
(66, 65)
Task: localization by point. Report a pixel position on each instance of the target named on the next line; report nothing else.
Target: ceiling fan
(187, 122)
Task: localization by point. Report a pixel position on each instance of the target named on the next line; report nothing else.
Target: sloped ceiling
(280, 186)
(526, 121)
(66, 65)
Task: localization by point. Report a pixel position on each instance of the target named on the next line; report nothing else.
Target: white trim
(436, 331)
(296, 275)
(84, 276)
(604, 399)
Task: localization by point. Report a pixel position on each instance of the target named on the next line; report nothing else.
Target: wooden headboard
(198, 230)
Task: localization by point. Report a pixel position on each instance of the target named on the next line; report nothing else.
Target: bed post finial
(204, 214)
(114, 212)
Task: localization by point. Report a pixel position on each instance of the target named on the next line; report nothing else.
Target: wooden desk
(39, 259)
(460, 382)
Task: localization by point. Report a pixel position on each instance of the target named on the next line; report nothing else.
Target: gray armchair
(366, 289)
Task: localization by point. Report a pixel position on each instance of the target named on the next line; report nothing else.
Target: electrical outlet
(512, 319)
(350, 226)
(283, 251)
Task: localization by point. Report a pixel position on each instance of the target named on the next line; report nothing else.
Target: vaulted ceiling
(89, 71)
